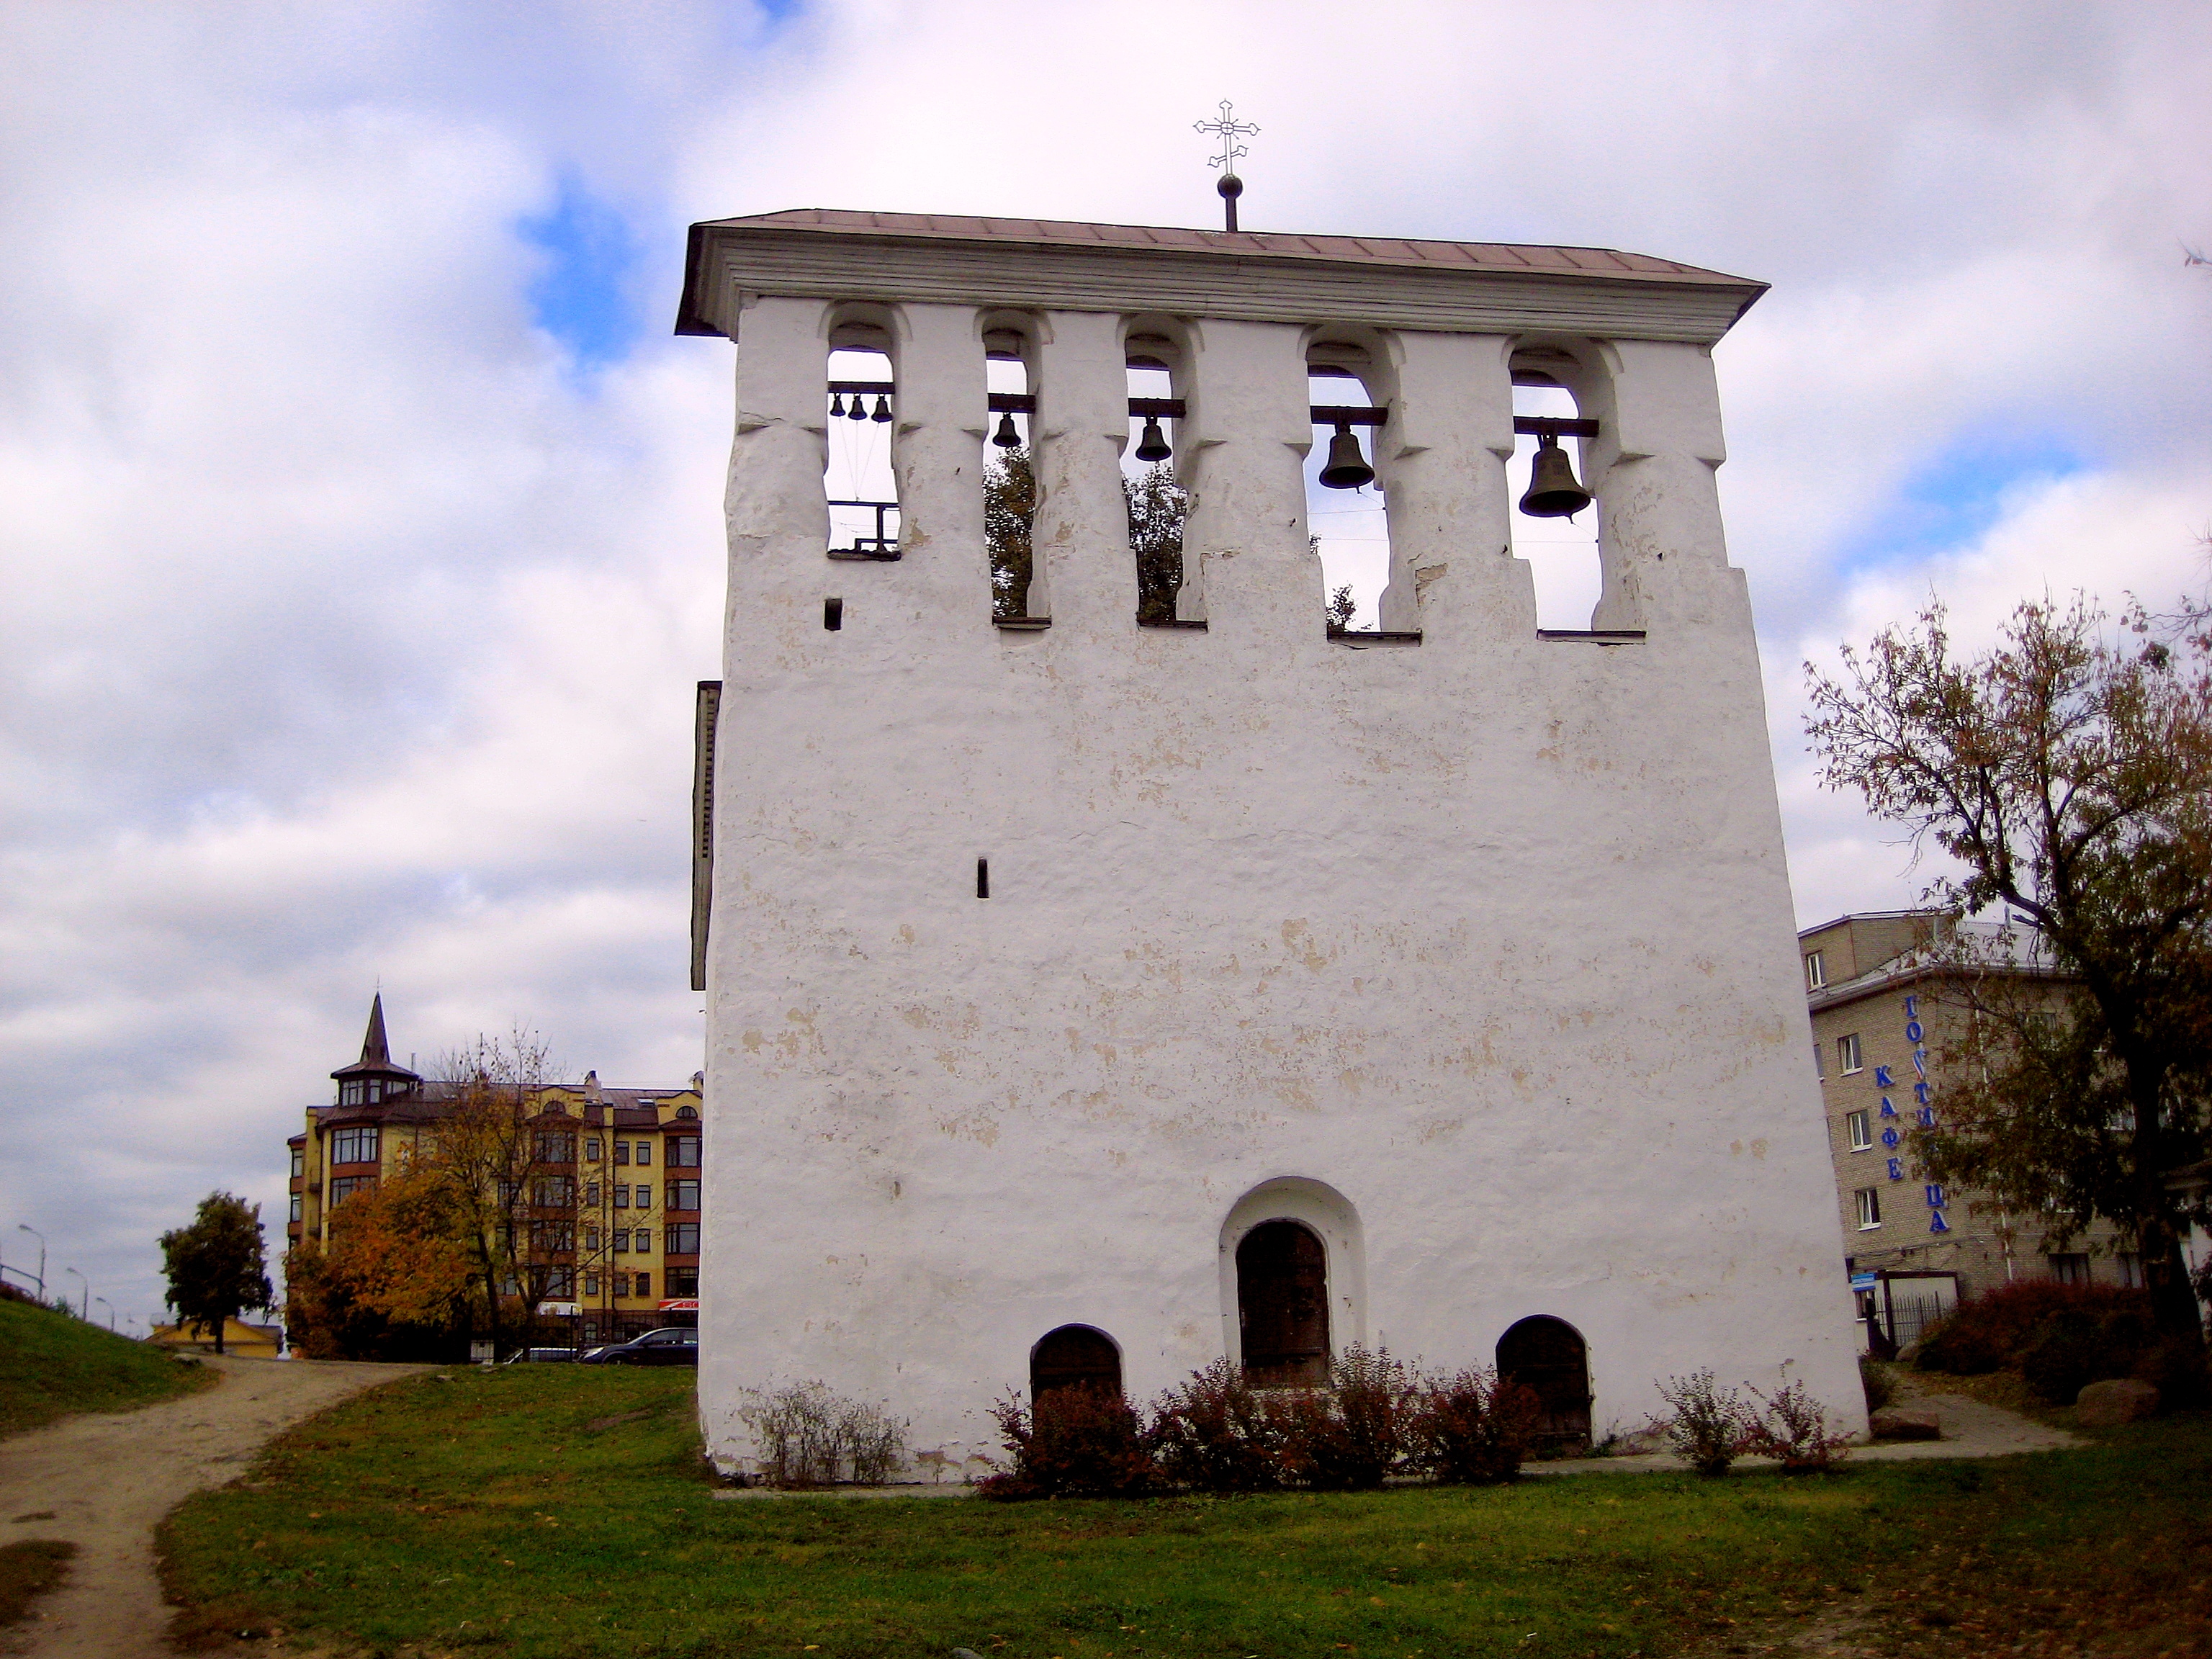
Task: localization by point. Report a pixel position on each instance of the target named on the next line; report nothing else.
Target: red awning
(681, 1305)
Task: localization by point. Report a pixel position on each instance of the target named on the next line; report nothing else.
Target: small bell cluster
(859, 409)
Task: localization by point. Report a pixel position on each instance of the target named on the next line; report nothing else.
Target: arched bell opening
(1282, 1305)
(1554, 516)
(1348, 521)
(1010, 491)
(858, 476)
(1157, 505)
(1548, 1357)
(1074, 1357)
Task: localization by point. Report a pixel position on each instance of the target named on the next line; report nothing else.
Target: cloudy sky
(359, 512)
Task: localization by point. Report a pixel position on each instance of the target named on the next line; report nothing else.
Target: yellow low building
(612, 1205)
(246, 1341)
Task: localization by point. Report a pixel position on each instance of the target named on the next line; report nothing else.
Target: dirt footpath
(104, 1481)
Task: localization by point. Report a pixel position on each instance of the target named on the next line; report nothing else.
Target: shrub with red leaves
(1996, 1330)
(1083, 1441)
(1218, 1433)
(1473, 1428)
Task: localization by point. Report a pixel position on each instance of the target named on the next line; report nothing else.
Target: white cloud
(350, 634)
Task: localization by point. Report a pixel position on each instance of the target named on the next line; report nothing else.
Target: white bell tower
(1092, 997)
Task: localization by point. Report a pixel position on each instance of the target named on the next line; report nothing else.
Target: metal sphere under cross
(1229, 130)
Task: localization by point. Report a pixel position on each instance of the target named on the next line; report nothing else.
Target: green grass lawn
(545, 1511)
(52, 1364)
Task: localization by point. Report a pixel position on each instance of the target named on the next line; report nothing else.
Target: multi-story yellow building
(613, 1206)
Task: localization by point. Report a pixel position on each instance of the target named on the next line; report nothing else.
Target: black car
(674, 1345)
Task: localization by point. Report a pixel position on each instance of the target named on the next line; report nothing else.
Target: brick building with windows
(1885, 1010)
(614, 1208)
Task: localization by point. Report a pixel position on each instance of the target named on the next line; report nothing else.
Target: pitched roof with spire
(376, 1052)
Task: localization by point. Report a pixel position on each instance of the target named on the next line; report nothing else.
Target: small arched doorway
(1282, 1306)
(1074, 1356)
(1548, 1357)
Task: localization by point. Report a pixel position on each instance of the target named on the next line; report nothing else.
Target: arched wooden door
(1074, 1356)
(1548, 1356)
(1282, 1306)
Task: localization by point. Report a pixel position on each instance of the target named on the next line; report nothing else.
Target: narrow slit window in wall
(1008, 482)
(1561, 551)
(863, 515)
(982, 878)
(1156, 504)
(1349, 528)
(833, 614)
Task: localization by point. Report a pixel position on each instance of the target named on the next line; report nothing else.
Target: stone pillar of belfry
(1661, 549)
(942, 409)
(773, 502)
(1240, 453)
(1083, 575)
(1440, 461)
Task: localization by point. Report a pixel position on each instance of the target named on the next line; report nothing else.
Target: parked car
(674, 1345)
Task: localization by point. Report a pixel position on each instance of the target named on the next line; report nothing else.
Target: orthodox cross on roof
(1227, 128)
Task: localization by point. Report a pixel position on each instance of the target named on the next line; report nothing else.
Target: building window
(591, 1194)
(346, 1186)
(622, 1154)
(683, 1151)
(554, 1147)
(643, 1201)
(591, 1148)
(353, 1147)
(644, 1285)
(2129, 1263)
(299, 1162)
(553, 1192)
(2069, 1269)
(687, 1113)
(591, 1239)
(1816, 971)
(683, 1281)
(1820, 1060)
(683, 1238)
(683, 1195)
(622, 1240)
(1869, 1204)
(548, 1237)
(622, 1198)
(591, 1284)
(641, 1241)
(1859, 1130)
(1847, 1055)
(645, 1152)
(298, 1203)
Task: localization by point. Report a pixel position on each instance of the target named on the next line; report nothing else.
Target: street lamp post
(110, 1306)
(41, 1238)
(87, 1313)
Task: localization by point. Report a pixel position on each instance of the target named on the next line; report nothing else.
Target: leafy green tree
(1009, 509)
(2068, 771)
(217, 1268)
(1158, 507)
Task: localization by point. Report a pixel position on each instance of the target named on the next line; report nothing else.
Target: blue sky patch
(1960, 495)
(583, 298)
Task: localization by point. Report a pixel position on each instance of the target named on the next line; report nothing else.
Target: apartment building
(613, 1209)
(1886, 1013)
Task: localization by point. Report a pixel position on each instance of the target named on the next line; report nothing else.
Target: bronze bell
(1553, 491)
(1006, 437)
(883, 408)
(837, 406)
(1347, 468)
(1151, 442)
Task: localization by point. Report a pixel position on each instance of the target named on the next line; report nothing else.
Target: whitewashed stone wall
(1477, 954)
